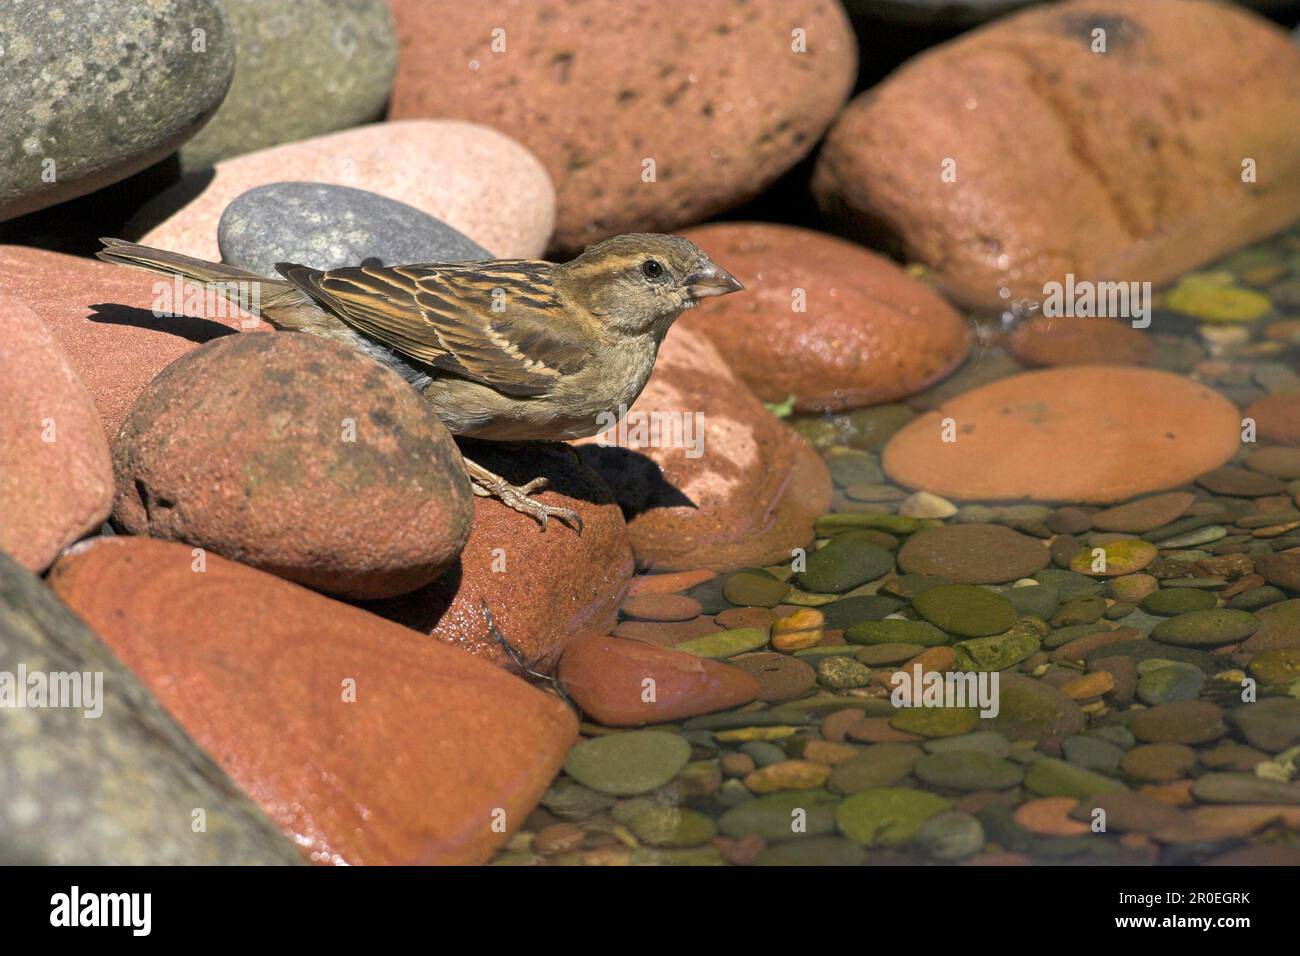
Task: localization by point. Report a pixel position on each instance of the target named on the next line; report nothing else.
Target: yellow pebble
(788, 775)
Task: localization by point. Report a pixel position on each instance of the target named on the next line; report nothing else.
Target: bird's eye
(651, 269)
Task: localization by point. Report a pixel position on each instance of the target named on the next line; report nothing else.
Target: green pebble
(787, 815)
(764, 753)
(1041, 600)
(1080, 610)
(887, 816)
(896, 631)
(967, 771)
(1170, 601)
(570, 800)
(987, 742)
(880, 765)
(754, 587)
(910, 585)
(1092, 754)
(843, 564)
(848, 611)
(853, 467)
(722, 644)
(1064, 635)
(1255, 598)
(1210, 628)
(842, 673)
(965, 610)
(1069, 585)
(951, 835)
(1175, 681)
(998, 652)
(1050, 777)
(627, 764)
(935, 721)
(664, 826)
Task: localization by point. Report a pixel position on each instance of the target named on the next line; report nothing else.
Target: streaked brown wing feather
(443, 315)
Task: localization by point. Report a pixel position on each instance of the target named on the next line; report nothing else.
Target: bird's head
(641, 282)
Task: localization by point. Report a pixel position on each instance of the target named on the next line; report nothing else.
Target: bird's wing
(493, 323)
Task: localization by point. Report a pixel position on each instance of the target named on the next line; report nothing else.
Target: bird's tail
(272, 299)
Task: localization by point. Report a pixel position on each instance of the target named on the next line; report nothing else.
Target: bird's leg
(486, 484)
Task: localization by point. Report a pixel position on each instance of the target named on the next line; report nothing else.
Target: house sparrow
(504, 349)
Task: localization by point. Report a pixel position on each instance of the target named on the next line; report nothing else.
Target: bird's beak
(712, 280)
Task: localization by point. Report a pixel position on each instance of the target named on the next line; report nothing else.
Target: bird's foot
(486, 484)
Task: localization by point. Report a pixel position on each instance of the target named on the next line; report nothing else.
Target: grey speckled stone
(326, 227)
(120, 789)
(303, 68)
(104, 88)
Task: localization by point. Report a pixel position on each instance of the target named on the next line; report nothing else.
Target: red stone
(606, 677)
(365, 742)
(541, 587)
(56, 480)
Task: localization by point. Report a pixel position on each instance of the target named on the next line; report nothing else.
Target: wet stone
(779, 676)
(1068, 584)
(951, 835)
(967, 771)
(788, 815)
(658, 825)
(842, 673)
(1272, 725)
(723, 644)
(1169, 602)
(997, 652)
(843, 564)
(877, 655)
(965, 610)
(896, 631)
(1039, 600)
(627, 764)
(887, 816)
(1158, 763)
(1124, 556)
(1210, 628)
(1141, 650)
(986, 742)
(1172, 682)
(1244, 788)
(1238, 482)
(1276, 667)
(754, 587)
(935, 721)
(879, 765)
(1182, 722)
(973, 553)
(848, 611)
(1050, 777)
(1091, 754)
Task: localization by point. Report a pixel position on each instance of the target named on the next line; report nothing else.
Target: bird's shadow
(592, 473)
(183, 326)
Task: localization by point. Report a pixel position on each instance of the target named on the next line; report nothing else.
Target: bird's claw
(517, 498)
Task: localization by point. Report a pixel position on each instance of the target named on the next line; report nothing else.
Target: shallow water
(1202, 774)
